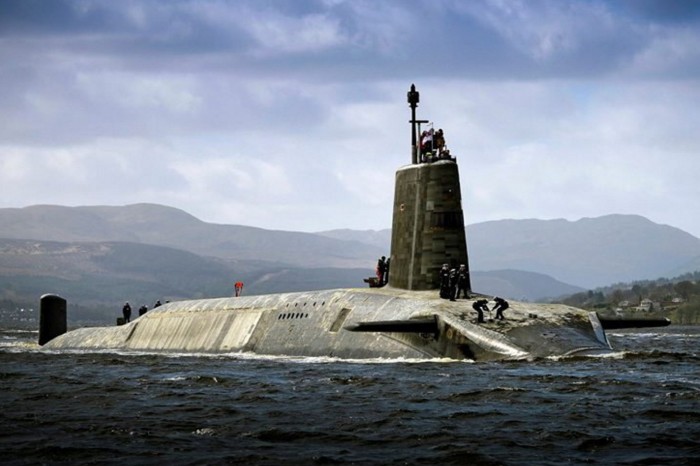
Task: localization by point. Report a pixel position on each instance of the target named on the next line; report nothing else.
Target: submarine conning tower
(428, 221)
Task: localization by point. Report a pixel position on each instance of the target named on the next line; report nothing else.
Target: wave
(242, 356)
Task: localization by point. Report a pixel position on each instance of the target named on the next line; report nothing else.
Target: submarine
(406, 318)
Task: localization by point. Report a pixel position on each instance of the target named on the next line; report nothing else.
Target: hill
(99, 277)
(166, 226)
(589, 252)
(108, 273)
(378, 238)
(520, 285)
(677, 298)
(103, 255)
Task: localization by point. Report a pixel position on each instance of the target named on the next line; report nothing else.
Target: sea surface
(638, 406)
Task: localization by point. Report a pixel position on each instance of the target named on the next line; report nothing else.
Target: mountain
(691, 266)
(523, 286)
(589, 252)
(109, 273)
(97, 277)
(167, 226)
(528, 259)
(378, 238)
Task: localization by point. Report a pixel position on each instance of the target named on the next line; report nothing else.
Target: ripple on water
(110, 408)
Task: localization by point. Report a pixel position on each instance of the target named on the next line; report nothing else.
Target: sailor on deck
(444, 279)
(126, 311)
(480, 305)
(462, 280)
(501, 305)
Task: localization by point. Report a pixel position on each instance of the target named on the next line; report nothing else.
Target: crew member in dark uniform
(501, 305)
(126, 310)
(462, 280)
(453, 284)
(381, 270)
(143, 309)
(480, 305)
(444, 279)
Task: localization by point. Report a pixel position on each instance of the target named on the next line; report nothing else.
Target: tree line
(677, 298)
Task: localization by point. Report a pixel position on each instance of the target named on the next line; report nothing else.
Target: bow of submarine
(441, 328)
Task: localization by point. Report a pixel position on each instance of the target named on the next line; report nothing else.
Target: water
(639, 406)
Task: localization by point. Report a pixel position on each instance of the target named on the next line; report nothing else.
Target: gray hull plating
(321, 324)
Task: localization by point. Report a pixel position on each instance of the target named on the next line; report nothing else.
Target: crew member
(439, 141)
(501, 305)
(453, 283)
(126, 311)
(143, 309)
(444, 279)
(462, 280)
(238, 287)
(480, 305)
(381, 270)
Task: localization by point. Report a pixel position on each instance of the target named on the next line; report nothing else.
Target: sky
(292, 115)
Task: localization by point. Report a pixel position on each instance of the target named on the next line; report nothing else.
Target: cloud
(293, 114)
(277, 34)
(168, 94)
(671, 54)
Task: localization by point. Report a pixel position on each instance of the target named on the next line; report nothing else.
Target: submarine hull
(339, 323)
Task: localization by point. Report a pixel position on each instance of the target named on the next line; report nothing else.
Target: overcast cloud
(292, 114)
